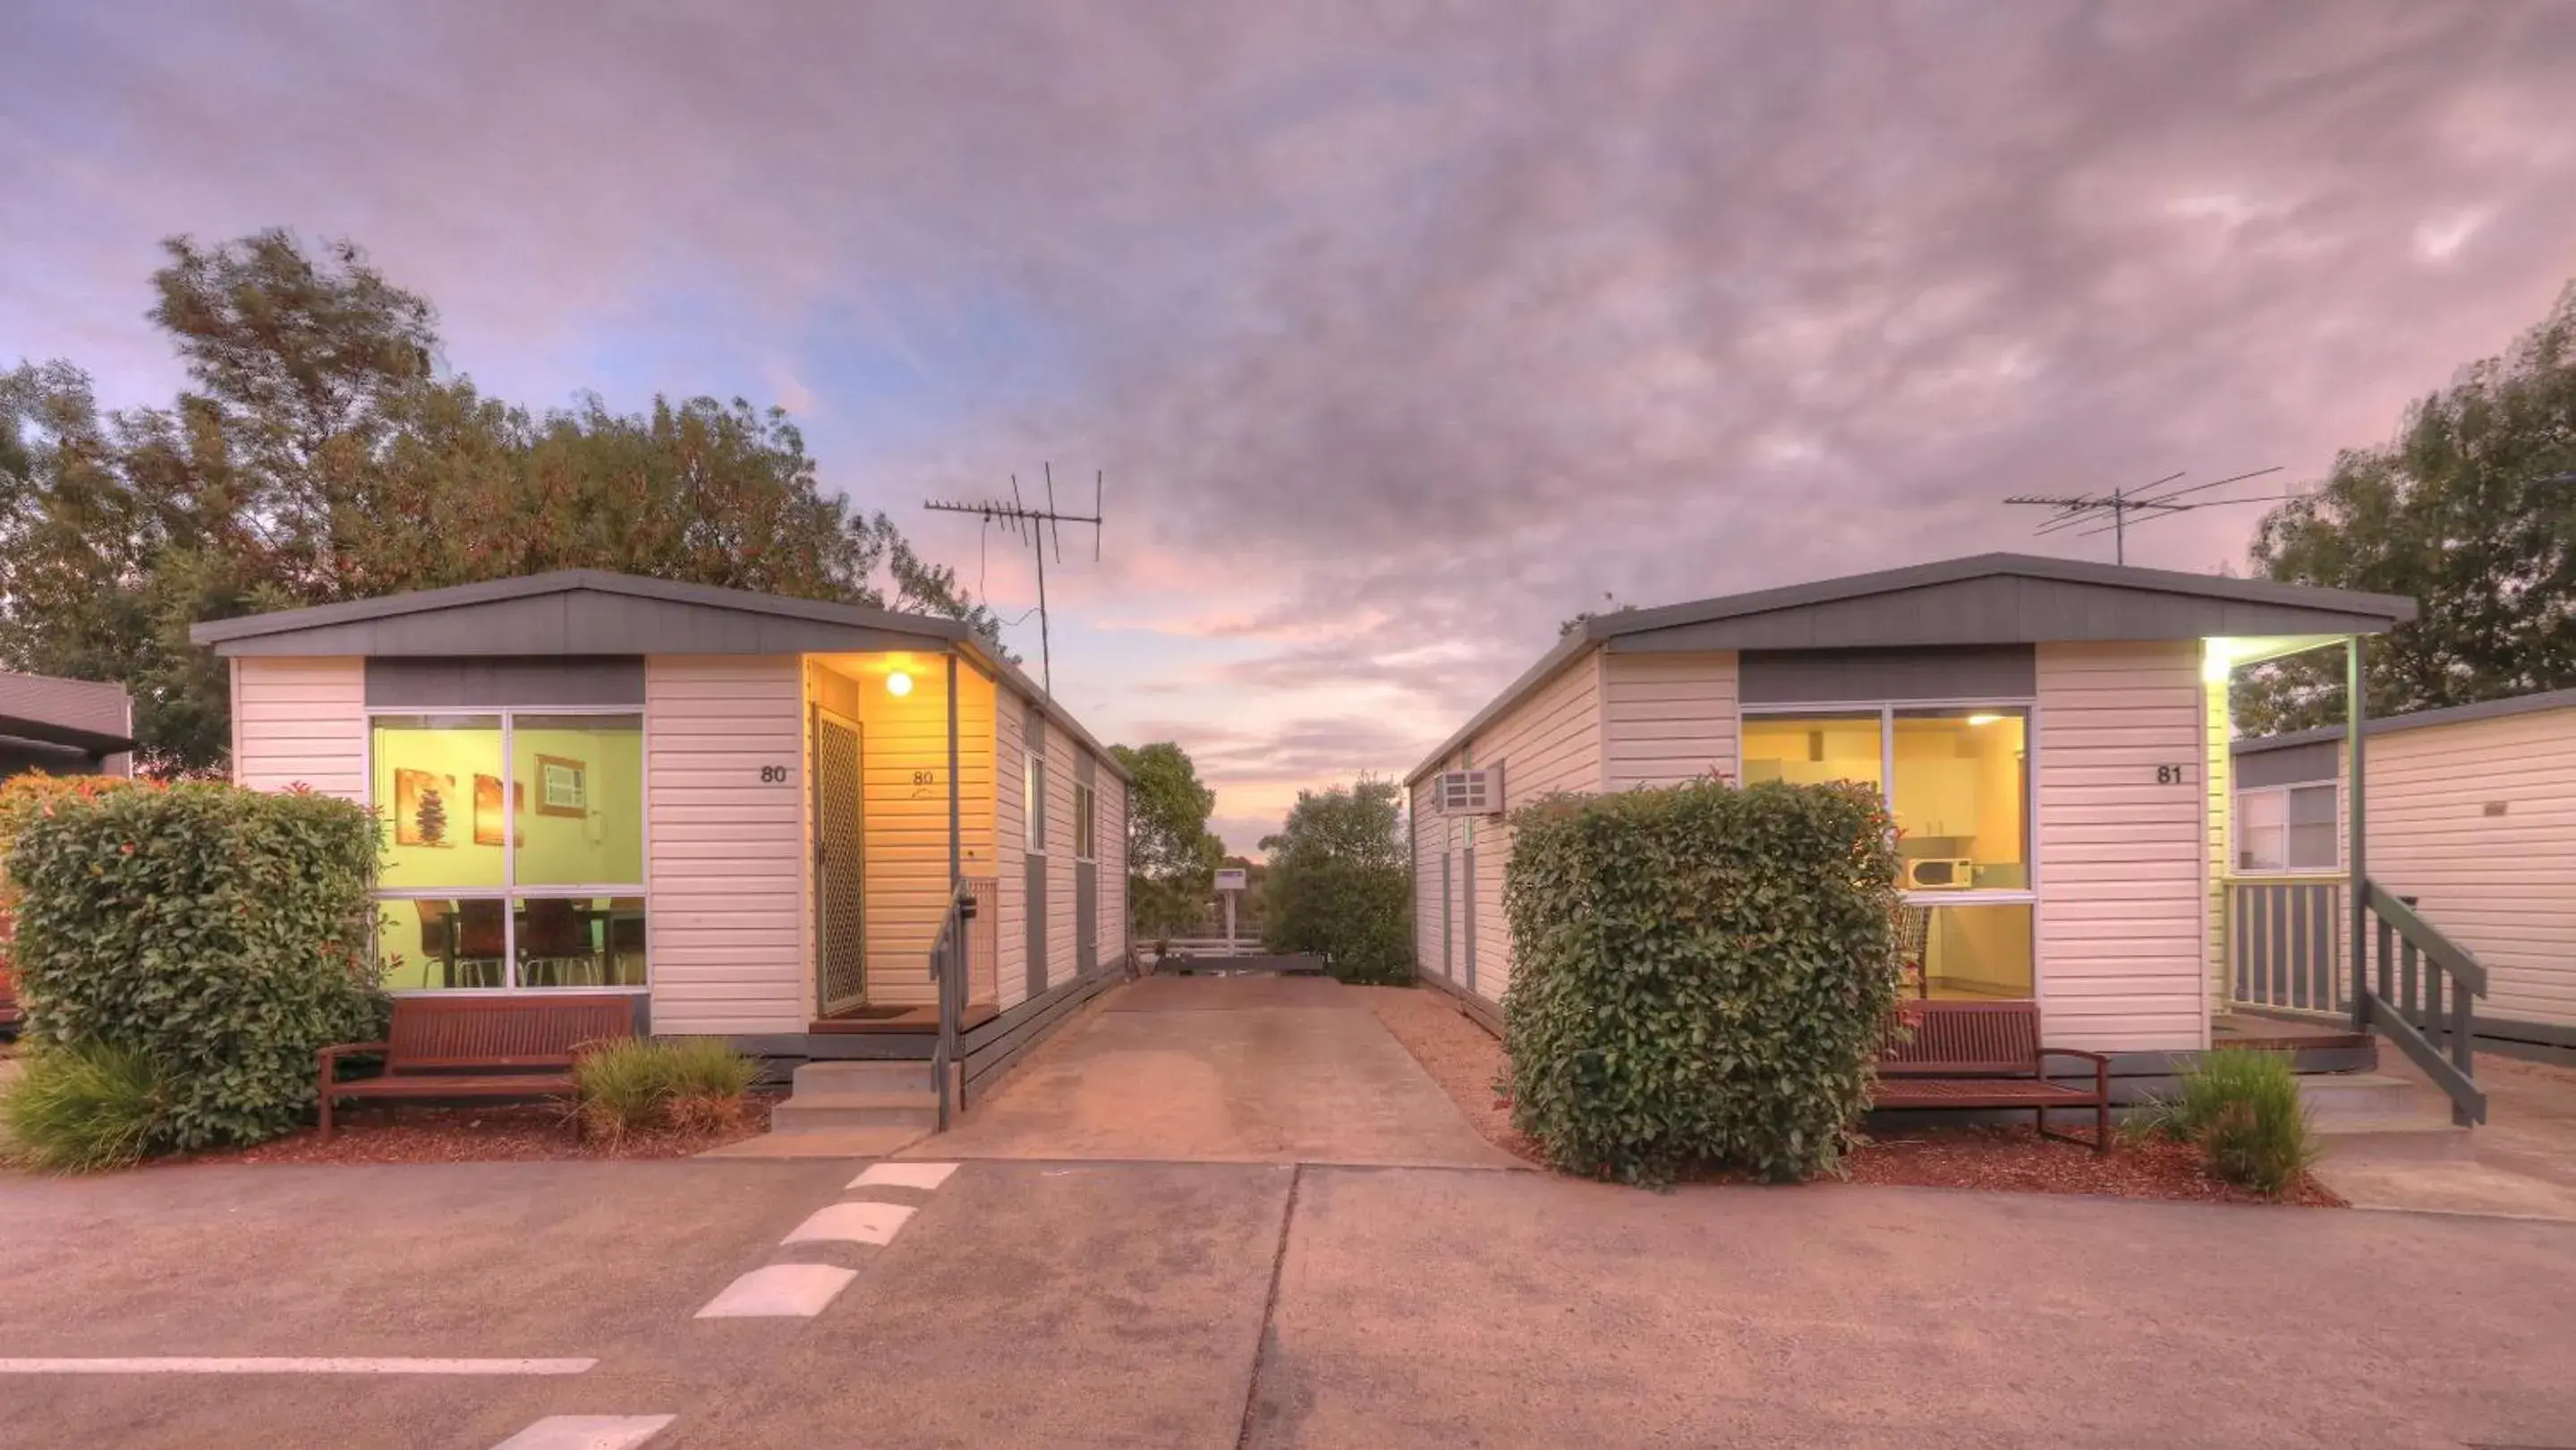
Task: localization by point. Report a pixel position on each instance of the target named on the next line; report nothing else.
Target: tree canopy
(321, 453)
(1171, 855)
(1341, 881)
(2472, 511)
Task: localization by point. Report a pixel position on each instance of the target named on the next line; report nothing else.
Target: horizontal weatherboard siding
(301, 722)
(727, 865)
(2122, 941)
(1668, 718)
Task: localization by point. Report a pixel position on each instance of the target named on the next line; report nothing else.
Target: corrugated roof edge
(2396, 609)
(2416, 720)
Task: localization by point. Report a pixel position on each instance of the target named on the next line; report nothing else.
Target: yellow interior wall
(903, 754)
(1980, 951)
(1786, 750)
(604, 847)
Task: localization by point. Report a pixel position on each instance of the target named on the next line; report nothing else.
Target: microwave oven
(1939, 872)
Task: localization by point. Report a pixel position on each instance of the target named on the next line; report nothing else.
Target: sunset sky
(1401, 332)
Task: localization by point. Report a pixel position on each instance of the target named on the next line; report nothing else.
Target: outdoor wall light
(898, 684)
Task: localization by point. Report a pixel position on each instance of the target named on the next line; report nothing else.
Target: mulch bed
(1468, 1063)
(512, 1133)
(2016, 1160)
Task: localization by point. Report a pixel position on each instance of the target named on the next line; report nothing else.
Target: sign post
(1231, 882)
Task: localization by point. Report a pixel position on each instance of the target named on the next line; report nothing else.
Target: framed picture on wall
(563, 787)
(422, 800)
(489, 819)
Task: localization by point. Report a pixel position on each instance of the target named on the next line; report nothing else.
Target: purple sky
(1402, 332)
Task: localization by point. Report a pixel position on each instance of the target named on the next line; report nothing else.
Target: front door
(840, 940)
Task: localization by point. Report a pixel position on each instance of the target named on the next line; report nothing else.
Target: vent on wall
(1471, 792)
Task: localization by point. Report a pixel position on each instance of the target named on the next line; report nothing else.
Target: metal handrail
(2402, 1002)
(948, 970)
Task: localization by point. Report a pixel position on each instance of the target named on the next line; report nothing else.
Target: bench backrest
(1958, 1039)
(433, 1033)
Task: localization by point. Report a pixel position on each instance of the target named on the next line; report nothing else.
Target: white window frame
(509, 890)
(2236, 832)
(1887, 711)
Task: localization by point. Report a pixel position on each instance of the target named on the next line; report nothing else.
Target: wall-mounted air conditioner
(1470, 792)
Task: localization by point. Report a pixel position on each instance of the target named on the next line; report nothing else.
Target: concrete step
(2330, 1096)
(863, 1075)
(805, 1112)
(2414, 1137)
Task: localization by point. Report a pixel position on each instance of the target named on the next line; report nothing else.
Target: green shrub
(83, 1109)
(224, 934)
(693, 1083)
(1700, 975)
(2243, 1108)
(1340, 883)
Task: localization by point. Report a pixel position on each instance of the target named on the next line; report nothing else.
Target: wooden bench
(1986, 1055)
(480, 1047)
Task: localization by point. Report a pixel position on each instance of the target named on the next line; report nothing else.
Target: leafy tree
(1340, 884)
(319, 454)
(2470, 511)
(1171, 855)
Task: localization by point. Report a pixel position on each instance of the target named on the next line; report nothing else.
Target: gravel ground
(516, 1133)
(1460, 1056)
(1468, 1064)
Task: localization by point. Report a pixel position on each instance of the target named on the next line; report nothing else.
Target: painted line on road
(204, 1364)
(780, 1291)
(924, 1176)
(588, 1432)
(851, 1223)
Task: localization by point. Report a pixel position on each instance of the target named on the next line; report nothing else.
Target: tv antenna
(2124, 508)
(1040, 528)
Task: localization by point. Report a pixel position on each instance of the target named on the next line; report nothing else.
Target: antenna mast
(2068, 510)
(1042, 528)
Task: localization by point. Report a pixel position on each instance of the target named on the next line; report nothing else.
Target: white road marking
(780, 1291)
(851, 1223)
(201, 1364)
(904, 1175)
(588, 1432)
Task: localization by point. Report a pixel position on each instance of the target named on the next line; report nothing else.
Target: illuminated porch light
(898, 684)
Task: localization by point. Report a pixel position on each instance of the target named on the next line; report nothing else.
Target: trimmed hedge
(224, 934)
(1700, 975)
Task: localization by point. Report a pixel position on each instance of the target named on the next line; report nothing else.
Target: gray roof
(575, 612)
(86, 715)
(2415, 720)
(594, 612)
(1985, 599)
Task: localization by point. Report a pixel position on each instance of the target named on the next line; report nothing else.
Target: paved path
(1089, 1304)
(1225, 1070)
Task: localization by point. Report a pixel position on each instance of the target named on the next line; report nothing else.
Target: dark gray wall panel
(493, 682)
(1086, 916)
(2291, 765)
(1942, 672)
(1037, 924)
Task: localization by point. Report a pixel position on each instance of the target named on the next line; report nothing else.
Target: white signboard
(1233, 880)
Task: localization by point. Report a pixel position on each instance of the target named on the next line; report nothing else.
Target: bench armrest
(338, 1050)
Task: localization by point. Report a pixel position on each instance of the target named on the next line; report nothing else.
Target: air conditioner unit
(1470, 792)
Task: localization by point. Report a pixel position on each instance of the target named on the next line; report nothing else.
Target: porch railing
(948, 967)
(2285, 944)
(2420, 997)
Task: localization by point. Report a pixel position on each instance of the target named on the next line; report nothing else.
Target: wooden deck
(924, 1018)
(2284, 1034)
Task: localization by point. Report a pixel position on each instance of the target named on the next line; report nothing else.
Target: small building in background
(64, 727)
(2472, 816)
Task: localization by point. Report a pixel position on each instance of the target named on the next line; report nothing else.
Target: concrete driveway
(1181, 1304)
(1253, 1069)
